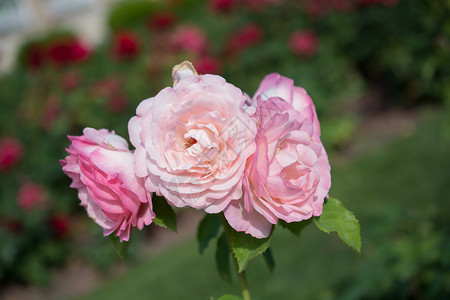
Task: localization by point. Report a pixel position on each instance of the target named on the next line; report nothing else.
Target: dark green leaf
(165, 216)
(120, 247)
(207, 230)
(223, 258)
(246, 247)
(268, 258)
(336, 218)
(229, 297)
(295, 227)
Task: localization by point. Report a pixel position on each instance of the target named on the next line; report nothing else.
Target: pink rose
(288, 176)
(304, 43)
(31, 195)
(190, 38)
(192, 141)
(101, 168)
(11, 152)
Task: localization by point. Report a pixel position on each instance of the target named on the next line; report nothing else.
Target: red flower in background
(67, 51)
(222, 5)
(60, 224)
(190, 38)
(31, 195)
(34, 57)
(244, 38)
(126, 45)
(208, 65)
(11, 151)
(161, 20)
(12, 225)
(304, 43)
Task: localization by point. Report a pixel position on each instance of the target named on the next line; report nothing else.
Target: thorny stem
(241, 275)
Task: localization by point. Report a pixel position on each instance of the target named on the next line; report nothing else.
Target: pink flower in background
(244, 38)
(31, 195)
(67, 51)
(190, 38)
(192, 141)
(51, 113)
(11, 152)
(101, 168)
(126, 45)
(117, 103)
(316, 9)
(288, 176)
(222, 5)
(161, 20)
(304, 43)
(208, 65)
(107, 87)
(71, 80)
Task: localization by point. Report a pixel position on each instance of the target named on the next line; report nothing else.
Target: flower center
(189, 142)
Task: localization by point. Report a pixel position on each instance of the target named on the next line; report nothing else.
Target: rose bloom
(31, 195)
(244, 38)
(190, 38)
(71, 80)
(192, 141)
(51, 113)
(222, 5)
(288, 176)
(126, 45)
(304, 43)
(60, 224)
(34, 56)
(67, 51)
(207, 65)
(161, 20)
(101, 168)
(11, 152)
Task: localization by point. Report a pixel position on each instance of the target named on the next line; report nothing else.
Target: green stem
(241, 275)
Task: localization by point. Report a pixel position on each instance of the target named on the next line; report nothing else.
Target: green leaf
(268, 258)
(246, 247)
(223, 258)
(295, 227)
(207, 230)
(229, 297)
(120, 247)
(165, 216)
(336, 218)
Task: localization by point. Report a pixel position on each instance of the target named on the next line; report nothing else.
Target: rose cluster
(205, 144)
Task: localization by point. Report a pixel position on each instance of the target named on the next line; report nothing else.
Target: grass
(397, 194)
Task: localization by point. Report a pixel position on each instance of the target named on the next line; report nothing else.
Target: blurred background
(377, 70)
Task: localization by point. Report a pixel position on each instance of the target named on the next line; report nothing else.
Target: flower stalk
(241, 275)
